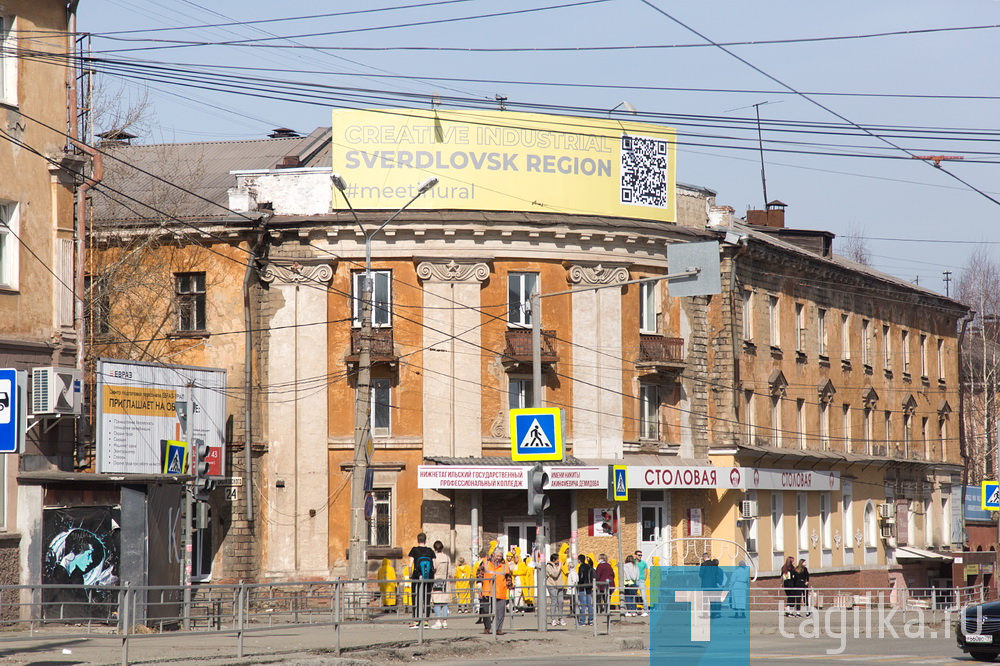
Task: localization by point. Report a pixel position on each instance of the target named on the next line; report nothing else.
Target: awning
(911, 553)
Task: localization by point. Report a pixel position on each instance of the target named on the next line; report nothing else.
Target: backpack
(423, 567)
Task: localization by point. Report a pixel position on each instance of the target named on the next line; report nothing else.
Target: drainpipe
(248, 367)
(963, 452)
(733, 330)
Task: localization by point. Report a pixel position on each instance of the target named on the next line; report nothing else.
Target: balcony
(518, 349)
(382, 347)
(658, 354)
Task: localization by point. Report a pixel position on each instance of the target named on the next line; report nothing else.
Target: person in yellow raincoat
(526, 572)
(615, 598)
(386, 576)
(407, 599)
(463, 588)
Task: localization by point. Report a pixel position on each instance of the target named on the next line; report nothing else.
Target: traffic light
(608, 523)
(538, 501)
(202, 484)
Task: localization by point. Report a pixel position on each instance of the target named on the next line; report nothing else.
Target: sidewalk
(360, 644)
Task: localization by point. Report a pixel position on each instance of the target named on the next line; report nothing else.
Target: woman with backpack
(440, 596)
(422, 575)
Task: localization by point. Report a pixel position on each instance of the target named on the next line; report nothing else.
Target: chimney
(115, 138)
(773, 216)
(720, 216)
(283, 133)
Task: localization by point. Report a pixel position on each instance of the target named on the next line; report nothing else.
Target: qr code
(644, 171)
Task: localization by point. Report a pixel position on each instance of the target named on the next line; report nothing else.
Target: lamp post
(362, 406)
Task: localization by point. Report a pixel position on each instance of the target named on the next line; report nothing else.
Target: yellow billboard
(504, 161)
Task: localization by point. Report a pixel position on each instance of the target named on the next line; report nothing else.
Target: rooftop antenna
(760, 145)
(435, 100)
(625, 105)
(947, 283)
(501, 102)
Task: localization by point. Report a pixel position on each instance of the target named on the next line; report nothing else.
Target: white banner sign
(790, 479)
(136, 411)
(488, 477)
(685, 477)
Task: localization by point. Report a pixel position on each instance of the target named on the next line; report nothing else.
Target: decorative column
(452, 357)
(597, 364)
(297, 473)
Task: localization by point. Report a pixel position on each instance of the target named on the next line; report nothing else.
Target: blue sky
(898, 199)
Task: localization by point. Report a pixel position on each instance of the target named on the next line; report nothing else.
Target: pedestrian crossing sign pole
(618, 483)
(991, 495)
(536, 434)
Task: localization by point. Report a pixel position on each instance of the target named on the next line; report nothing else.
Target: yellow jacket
(386, 583)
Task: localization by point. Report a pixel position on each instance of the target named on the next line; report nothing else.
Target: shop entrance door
(654, 524)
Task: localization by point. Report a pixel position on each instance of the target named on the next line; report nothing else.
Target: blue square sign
(991, 496)
(536, 434)
(9, 411)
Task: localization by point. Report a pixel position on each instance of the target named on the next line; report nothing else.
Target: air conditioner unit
(748, 509)
(55, 391)
(889, 531)
(887, 511)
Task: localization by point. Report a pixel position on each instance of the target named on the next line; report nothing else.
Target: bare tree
(856, 246)
(979, 287)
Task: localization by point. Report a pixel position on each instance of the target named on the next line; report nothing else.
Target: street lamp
(362, 407)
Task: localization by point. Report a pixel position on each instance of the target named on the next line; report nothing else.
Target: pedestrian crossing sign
(175, 456)
(618, 483)
(991, 495)
(536, 434)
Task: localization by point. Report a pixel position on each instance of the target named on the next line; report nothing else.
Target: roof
(202, 168)
(835, 456)
(843, 263)
(911, 553)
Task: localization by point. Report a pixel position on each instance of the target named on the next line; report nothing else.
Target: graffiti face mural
(81, 557)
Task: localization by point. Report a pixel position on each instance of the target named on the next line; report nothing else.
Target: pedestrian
(497, 584)
(556, 591)
(643, 568)
(585, 590)
(630, 582)
(440, 596)
(800, 583)
(386, 576)
(421, 575)
(572, 577)
(787, 569)
(739, 584)
(605, 581)
(463, 586)
(477, 586)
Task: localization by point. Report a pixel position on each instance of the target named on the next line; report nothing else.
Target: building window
(821, 346)
(846, 428)
(8, 61)
(904, 342)
(824, 426)
(886, 349)
(190, 301)
(381, 298)
(845, 337)
(923, 437)
(825, 523)
(847, 499)
(774, 323)
(777, 521)
(868, 430)
(97, 311)
(776, 420)
(751, 418)
(747, 315)
(802, 520)
(871, 526)
(9, 245)
(752, 534)
(923, 355)
(942, 436)
(907, 434)
(945, 516)
(866, 352)
(520, 393)
(888, 434)
(929, 522)
(800, 328)
(381, 407)
(649, 415)
(940, 359)
(800, 421)
(520, 287)
(380, 524)
(647, 307)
